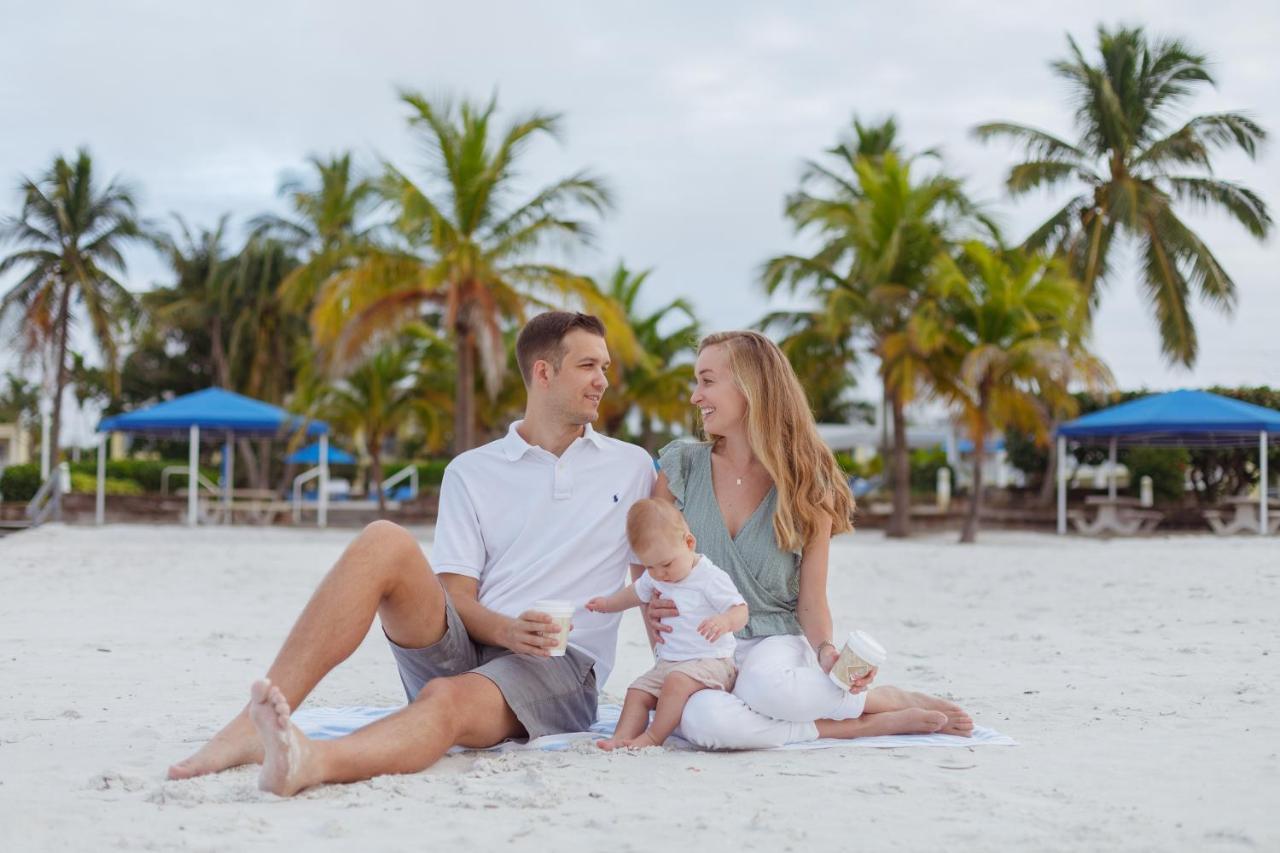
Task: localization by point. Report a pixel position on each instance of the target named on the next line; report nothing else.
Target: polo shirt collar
(514, 446)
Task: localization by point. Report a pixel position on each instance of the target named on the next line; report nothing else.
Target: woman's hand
(859, 685)
(659, 608)
(531, 633)
(827, 657)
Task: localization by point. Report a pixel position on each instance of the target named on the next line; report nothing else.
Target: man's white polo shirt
(529, 525)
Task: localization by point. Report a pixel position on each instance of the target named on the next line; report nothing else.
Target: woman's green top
(767, 576)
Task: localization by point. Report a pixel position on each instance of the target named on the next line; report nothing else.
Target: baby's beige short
(716, 673)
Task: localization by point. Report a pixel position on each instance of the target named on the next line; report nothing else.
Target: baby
(698, 651)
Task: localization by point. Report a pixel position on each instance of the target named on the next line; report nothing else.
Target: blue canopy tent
(1179, 419)
(213, 410)
(310, 455)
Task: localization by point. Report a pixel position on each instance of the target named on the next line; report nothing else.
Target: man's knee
(470, 708)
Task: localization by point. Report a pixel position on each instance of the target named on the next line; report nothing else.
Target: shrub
(430, 473)
(925, 464)
(88, 484)
(20, 482)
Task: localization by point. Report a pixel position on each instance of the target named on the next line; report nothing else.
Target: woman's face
(722, 405)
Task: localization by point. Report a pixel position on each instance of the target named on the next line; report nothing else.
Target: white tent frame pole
(322, 513)
(1262, 471)
(100, 500)
(1111, 469)
(229, 473)
(1062, 485)
(193, 474)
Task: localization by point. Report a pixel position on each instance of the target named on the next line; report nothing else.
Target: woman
(763, 496)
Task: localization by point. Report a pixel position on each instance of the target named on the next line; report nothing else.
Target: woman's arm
(813, 610)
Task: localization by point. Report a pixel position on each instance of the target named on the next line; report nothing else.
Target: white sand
(1139, 677)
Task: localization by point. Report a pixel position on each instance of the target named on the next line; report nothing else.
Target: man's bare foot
(641, 741)
(288, 761)
(236, 744)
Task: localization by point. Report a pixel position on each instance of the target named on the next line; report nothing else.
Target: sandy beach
(1138, 676)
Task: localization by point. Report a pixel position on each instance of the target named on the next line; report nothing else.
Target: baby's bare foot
(288, 759)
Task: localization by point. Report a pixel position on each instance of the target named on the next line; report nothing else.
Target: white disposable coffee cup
(561, 612)
(860, 653)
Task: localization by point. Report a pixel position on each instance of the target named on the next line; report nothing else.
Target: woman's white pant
(781, 690)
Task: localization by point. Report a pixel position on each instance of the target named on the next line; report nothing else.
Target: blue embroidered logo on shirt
(615, 498)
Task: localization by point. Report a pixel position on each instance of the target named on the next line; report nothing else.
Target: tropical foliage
(1142, 167)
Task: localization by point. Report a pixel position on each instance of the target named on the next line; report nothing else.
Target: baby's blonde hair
(651, 520)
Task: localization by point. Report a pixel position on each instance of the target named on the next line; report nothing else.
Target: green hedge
(20, 482)
(430, 473)
(88, 484)
(145, 472)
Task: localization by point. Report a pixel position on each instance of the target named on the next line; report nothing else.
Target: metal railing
(410, 473)
(46, 504)
(201, 480)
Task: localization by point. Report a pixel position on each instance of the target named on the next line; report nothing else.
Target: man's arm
(623, 599)
(533, 633)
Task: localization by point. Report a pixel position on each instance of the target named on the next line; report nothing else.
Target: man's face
(577, 387)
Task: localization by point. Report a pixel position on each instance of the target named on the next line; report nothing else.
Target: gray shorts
(548, 695)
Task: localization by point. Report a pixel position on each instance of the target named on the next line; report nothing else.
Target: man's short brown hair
(542, 338)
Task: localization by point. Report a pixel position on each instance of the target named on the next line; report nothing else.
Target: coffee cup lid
(553, 606)
(866, 647)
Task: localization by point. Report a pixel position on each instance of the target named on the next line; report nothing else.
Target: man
(539, 514)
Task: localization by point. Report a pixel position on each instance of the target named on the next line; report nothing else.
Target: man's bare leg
(467, 710)
(884, 699)
(383, 572)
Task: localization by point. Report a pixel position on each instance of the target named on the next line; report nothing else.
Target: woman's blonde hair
(784, 437)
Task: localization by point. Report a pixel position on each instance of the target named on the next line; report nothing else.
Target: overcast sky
(699, 115)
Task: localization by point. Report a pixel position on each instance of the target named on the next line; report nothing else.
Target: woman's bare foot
(236, 744)
(882, 699)
(288, 763)
(907, 721)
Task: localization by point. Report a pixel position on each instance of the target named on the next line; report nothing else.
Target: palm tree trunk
(464, 418)
(970, 532)
(60, 379)
(1049, 481)
(375, 472)
(900, 521)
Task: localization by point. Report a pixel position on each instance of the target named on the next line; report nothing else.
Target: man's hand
(659, 608)
(531, 633)
(714, 627)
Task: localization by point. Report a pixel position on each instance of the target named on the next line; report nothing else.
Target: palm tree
(1005, 330)
(656, 384)
(462, 248)
(383, 396)
(1136, 170)
(329, 226)
(199, 301)
(72, 232)
(881, 230)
